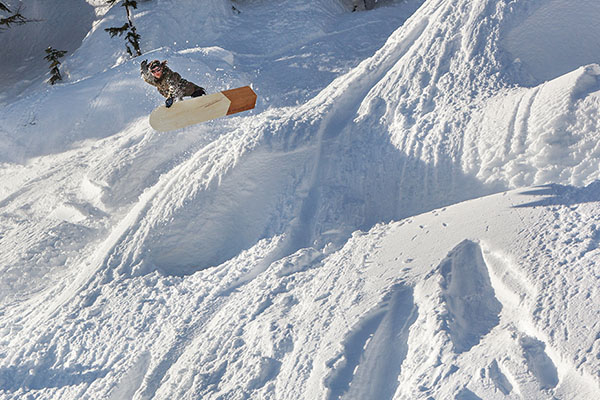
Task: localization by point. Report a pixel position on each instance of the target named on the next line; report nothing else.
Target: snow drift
(352, 237)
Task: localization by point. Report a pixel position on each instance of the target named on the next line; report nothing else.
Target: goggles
(156, 67)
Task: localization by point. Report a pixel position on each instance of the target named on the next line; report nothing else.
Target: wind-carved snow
(539, 363)
(472, 308)
(544, 368)
(500, 381)
(374, 351)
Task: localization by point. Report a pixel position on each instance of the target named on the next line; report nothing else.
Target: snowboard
(204, 108)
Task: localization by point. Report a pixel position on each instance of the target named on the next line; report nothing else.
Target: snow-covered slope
(352, 237)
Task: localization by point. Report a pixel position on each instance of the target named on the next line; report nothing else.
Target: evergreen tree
(52, 55)
(15, 18)
(132, 37)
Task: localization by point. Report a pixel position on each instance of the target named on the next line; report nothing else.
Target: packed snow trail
(225, 261)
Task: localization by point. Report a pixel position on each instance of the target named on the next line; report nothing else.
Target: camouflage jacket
(170, 84)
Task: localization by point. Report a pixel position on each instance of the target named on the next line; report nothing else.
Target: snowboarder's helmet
(155, 66)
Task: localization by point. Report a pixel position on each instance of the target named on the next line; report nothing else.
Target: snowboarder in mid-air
(168, 82)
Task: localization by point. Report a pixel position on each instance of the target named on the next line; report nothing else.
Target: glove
(169, 102)
(144, 65)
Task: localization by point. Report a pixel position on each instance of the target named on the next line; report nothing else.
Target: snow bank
(538, 135)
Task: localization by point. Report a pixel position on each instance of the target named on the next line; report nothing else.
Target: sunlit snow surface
(410, 212)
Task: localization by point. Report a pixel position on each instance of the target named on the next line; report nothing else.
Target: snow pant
(193, 90)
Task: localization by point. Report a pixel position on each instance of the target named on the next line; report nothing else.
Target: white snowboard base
(203, 108)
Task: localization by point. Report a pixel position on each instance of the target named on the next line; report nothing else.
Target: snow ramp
(421, 123)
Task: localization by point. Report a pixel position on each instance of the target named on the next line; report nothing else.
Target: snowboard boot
(199, 92)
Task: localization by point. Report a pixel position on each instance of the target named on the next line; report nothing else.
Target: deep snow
(410, 212)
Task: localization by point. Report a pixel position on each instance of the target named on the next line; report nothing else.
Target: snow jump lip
(203, 108)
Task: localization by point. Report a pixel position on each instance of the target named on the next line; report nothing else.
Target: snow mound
(537, 135)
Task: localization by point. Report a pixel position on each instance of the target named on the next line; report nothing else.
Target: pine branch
(117, 31)
(52, 56)
(134, 39)
(129, 3)
(132, 36)
(15, 19)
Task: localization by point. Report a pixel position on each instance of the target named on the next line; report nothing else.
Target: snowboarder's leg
(191, 89)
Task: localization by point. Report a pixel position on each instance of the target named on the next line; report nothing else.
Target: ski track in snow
(227, 261)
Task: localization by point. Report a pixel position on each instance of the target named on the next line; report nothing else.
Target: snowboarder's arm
(145, 72)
